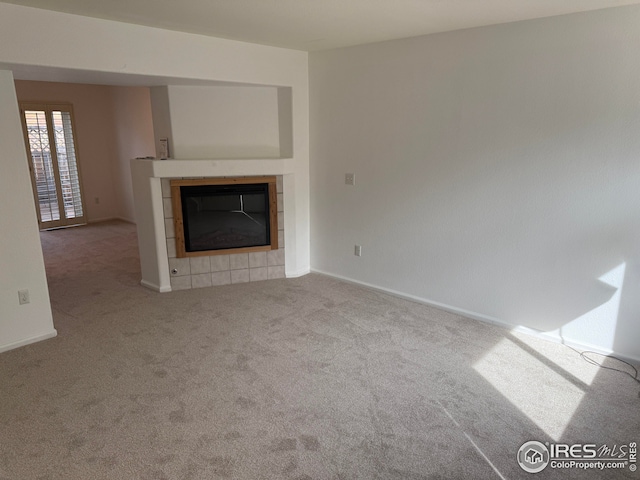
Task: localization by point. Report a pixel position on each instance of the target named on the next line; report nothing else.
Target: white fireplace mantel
(173, 168)
(147, 190)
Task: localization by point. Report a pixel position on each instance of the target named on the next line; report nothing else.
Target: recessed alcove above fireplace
(221, 216)
(225, 130)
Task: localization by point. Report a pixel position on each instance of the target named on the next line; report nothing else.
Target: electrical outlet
(358, 251)
(350, 178)
(23, 296)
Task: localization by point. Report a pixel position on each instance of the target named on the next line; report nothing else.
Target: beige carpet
(307, 378)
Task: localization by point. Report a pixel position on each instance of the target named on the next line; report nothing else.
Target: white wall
(497, 172)
(59, 44)
(224, 122)
(20, 250)
(161, 116)
(133, 131)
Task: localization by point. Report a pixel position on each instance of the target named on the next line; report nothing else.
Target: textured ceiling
(318, 24)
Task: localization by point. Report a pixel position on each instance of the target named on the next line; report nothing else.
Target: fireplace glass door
(220, 217)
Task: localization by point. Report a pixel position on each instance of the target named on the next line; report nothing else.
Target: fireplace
(217, 216)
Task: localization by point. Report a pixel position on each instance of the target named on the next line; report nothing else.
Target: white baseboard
(582, 346)
(549, 336)
(101, 219)
(154, 287)
(124, 219)
(110, 219)
(299, 273)
(27, 341)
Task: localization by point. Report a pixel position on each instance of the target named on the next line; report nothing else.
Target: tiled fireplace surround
(207, 271)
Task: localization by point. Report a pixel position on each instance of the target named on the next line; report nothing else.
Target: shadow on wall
(627, 329)
(612, 324)
(599, 325)
(579, 285)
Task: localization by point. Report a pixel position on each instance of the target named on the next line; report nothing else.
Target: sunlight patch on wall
(509, 369)
(598, 327)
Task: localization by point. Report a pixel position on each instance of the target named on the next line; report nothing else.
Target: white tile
(239, 276)
(280, 238)
(171, 248)
(280, 220)
(275, 257)
(281, 202)
(219, 263)
(181, 265)
(221, 278)
(276, 272)
(257, 259)
(258, 274)
(200, 265)
(168, 208)
(238, 261)
(165, 183)
(201, 280)
(169, 228)
(181, 283)
(279, 183)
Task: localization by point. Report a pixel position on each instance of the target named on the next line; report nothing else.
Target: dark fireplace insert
(217, 216)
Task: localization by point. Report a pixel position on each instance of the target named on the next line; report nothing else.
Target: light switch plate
(23, 297)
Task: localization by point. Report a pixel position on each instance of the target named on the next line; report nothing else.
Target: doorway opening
(53, 164)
